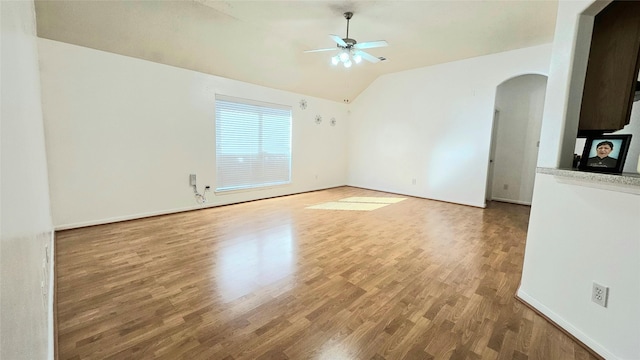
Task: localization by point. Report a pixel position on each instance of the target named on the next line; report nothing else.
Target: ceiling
(262, 42)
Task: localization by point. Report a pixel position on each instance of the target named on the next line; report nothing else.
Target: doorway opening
(515, 139)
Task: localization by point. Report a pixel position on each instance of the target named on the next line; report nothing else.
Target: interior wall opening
(516, 138)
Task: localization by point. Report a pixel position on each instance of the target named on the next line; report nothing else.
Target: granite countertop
(624, 179)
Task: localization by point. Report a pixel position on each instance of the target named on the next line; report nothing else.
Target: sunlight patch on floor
(340, 205)
(379, 200)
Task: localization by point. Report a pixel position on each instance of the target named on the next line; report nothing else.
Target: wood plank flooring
(269, 279)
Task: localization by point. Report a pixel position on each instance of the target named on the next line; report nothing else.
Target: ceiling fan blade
(371, 44)
(318, 50)
(368, 57)
(338, 40)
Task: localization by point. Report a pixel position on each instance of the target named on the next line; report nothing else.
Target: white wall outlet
(413, 181)
(192, 180)
(599, 294)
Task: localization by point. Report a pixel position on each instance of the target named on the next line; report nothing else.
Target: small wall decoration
(303, 104)
(333, 121)
(605, 153)
(318, 119)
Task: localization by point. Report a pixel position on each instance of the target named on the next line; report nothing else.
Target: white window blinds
(253, 144)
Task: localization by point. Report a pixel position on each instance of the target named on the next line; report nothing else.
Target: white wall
(577, 235)
(124, 134)
(433, 125)
(521, 101)
(579, 232)
(26, 314)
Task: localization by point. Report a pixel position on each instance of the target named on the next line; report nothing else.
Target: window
(253, 144)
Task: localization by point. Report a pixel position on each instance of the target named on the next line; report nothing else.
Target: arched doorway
(515, 138)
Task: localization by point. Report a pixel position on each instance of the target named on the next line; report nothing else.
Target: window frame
(262, 163)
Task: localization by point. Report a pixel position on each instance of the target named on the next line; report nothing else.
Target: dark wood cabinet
(612, 69)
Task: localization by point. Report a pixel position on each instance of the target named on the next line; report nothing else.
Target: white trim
(246, 101)
(131, 217)
(567, 326)
(481, 206)
(179, 210)
(512, 201)
(250, 189)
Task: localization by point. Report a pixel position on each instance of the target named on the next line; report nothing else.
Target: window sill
(251, 189)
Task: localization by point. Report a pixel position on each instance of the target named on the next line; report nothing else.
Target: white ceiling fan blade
(368, 57)
(338, 40)
(318, 50)
(371, 44)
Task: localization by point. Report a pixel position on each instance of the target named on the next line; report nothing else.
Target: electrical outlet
(505, 186)
(192, 180)
(599, 294)
(413, 181)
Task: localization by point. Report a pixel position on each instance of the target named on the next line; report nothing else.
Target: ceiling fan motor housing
(349, 42)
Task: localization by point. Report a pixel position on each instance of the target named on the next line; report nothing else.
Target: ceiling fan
(349, 50)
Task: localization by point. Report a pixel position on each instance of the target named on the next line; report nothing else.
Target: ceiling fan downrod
(348, 15)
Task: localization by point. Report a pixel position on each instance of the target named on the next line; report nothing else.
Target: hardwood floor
(269, 279)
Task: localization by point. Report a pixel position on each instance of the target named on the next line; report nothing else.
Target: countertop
(625, 182)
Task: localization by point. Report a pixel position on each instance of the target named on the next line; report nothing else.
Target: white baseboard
(130, 217)
(482, 206)
(595, 346)
(174, 211)
(512, 201)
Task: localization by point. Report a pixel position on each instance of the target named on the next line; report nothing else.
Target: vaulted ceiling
(262, 42)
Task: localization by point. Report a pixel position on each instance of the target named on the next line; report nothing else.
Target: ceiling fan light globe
(344, 56)
(335, 60)
(347, 64)
(357, 58)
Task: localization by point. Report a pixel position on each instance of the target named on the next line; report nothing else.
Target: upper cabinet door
(612, 69)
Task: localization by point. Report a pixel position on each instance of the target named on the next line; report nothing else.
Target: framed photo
(605, 153)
